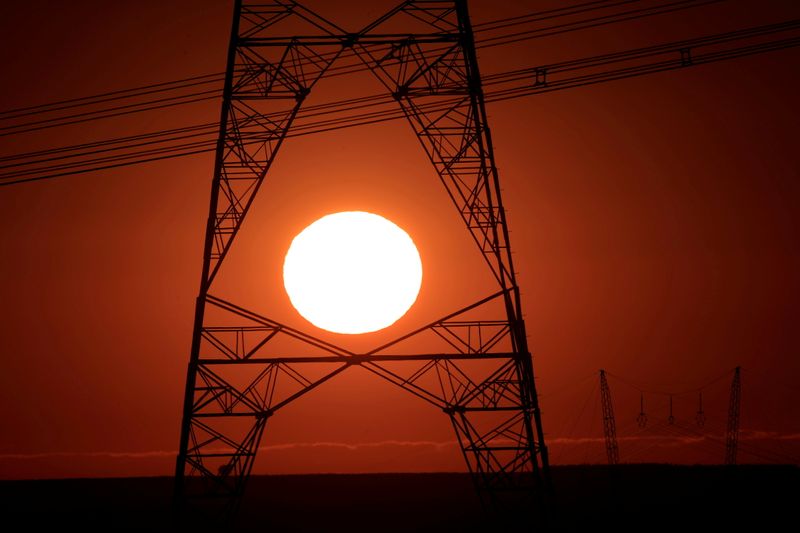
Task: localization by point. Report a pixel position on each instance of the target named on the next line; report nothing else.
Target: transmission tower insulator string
(641, 418)
(700, 416)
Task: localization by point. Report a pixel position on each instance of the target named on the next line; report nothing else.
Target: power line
(118, 111)
(373, 109)
(338, 70)
(108, 142)
(681, 392)
(548, 14)
(596, 22)
(712, 438)
(113, 96)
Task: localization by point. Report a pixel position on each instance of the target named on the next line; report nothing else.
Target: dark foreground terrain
(623, 498)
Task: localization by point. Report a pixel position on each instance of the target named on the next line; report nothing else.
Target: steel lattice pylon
(734, 410)
(609, 422)
(480, 373)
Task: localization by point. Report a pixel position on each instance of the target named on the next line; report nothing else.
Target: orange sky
(654, 222)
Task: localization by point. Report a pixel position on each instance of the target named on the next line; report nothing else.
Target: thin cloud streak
(437, 445)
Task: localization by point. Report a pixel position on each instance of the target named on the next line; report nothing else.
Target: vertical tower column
(734, 407)
(609, 423)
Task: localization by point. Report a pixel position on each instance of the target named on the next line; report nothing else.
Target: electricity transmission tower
(609, 423)
(734, 407)
(478, 369)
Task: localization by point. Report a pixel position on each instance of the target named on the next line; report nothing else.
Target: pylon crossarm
(441, 322)
(269, 326)
(446, 381)
(405, 383)
(260, 17)
(239, 342)
(476, 336)
(261, 391)
(436, 379)
(358, 359)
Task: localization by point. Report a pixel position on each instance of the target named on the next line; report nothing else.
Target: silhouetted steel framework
(609, 423)
(734, 407)
(700, 416)
(481, 372)
(641, 418)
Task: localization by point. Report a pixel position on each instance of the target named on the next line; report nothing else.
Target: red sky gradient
(655, 223)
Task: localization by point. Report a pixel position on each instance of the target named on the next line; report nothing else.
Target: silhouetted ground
(624, 498)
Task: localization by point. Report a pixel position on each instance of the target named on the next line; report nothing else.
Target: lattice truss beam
(477, 370)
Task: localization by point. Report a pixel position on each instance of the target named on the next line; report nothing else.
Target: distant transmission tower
(479, 371)
(734, 408)
(609, 423)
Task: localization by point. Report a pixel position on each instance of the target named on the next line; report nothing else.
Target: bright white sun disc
(352, 272)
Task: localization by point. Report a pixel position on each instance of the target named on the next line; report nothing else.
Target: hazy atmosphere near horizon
(654, 221)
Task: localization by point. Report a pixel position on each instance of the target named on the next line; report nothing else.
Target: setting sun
(352, 272)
